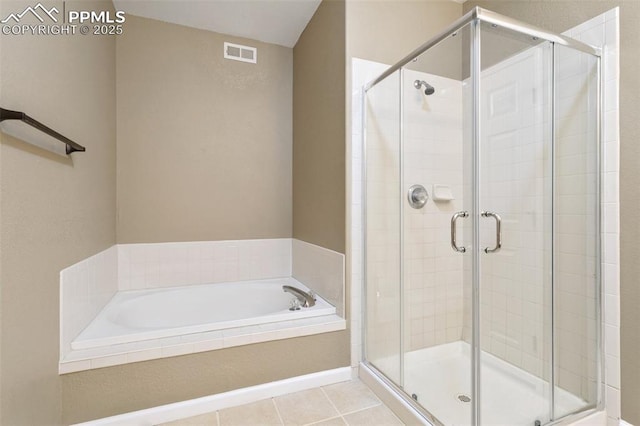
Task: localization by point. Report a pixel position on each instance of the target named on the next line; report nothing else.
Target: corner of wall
(319, 129)
(54, 210)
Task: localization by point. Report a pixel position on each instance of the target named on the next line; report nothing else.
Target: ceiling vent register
(240, 53)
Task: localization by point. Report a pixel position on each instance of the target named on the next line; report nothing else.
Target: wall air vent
(241, 53)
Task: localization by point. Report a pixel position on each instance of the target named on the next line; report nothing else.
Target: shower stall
(481, 225)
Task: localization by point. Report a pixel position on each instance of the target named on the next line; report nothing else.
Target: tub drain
(464, 398)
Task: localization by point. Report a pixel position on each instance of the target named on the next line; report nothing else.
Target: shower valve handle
(454, 218)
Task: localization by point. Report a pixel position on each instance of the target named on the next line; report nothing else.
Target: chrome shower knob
(417, 196)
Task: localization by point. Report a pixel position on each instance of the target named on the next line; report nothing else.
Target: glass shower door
(382, 228)
(577, 292)
(436, 155)
(482, 226)
(516, 245)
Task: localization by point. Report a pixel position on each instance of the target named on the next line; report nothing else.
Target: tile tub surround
(88, 359)
(320, 269)
(86, 287)
(173, 264)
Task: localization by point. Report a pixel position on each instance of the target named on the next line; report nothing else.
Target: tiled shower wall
(432, 271)
(515, 294)
(514, 182)
(362, 72)
(576, 168)
(432, 150)
(603, 31)
(383, 266)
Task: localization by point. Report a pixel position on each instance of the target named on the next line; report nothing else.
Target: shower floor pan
(440, 378)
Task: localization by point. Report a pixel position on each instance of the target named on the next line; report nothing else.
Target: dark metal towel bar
(6, 114)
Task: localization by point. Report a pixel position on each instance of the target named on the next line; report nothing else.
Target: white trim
(623, 423)
(207, 404)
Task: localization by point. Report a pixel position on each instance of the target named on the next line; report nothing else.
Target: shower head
(428, 89)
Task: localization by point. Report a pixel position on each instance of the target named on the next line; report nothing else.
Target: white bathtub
(138, 315)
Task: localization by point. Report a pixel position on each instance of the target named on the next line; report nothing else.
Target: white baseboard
(207, 404)
(623, 423)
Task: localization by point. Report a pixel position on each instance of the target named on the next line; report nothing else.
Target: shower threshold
(509, 395)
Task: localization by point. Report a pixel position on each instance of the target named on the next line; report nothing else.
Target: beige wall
(559, 16)
(388, 30)
(204, 143)
(108, 391)
(179, 106)
(55, 210)
(319, 129)
(1, 322)
(61, 210)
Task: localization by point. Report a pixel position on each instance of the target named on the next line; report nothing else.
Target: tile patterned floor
(348, 403)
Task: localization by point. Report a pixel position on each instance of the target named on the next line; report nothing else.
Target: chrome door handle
(454, 218)
(498, 219)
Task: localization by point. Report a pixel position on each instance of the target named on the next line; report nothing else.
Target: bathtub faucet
(306, 299)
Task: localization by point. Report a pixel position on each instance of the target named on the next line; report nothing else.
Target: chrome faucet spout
(306, 299)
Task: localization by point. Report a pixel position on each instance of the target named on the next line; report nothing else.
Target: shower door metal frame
(474, 18)
(484, 15)
(476, 67)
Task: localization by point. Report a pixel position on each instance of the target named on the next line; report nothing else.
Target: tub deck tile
(87, 359)
(208, 345)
